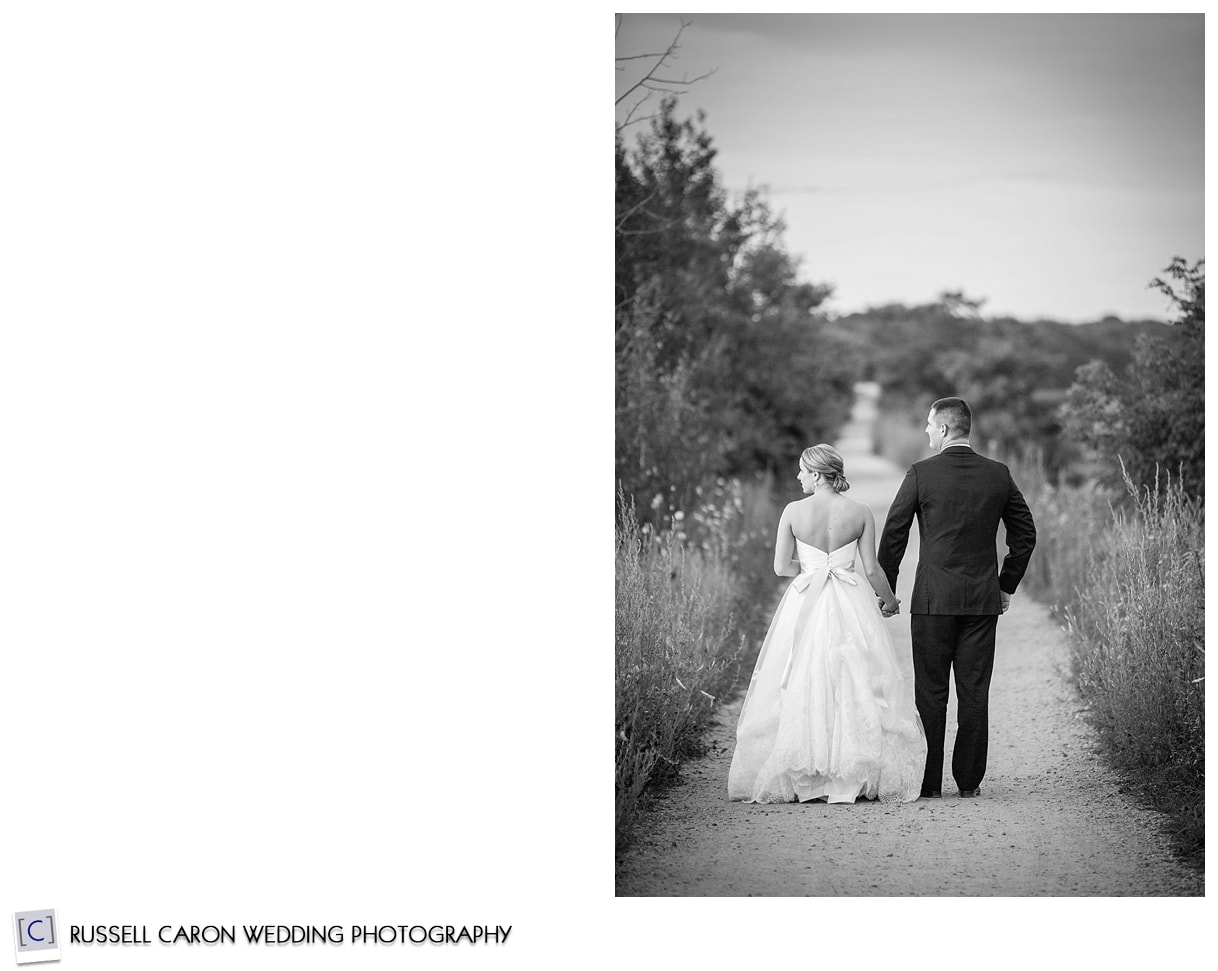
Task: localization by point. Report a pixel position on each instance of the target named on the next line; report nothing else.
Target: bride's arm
(785, 564)
(871, 567)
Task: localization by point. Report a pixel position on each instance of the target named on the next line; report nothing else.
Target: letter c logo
(29, 927)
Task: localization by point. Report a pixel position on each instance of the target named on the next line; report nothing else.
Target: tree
(722, 366)
(1153, 417)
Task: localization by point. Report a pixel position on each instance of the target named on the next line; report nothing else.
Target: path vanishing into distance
(1051, 819)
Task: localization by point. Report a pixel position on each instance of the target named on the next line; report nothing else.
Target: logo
(35, 936)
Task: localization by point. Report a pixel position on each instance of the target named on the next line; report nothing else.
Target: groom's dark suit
(959, 498)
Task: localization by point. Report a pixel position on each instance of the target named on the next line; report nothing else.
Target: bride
(828, 714)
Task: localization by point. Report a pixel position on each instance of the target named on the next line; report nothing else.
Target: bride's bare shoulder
(858, 511)
(795, 511)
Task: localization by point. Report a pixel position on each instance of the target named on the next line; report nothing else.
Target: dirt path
(1050, 821)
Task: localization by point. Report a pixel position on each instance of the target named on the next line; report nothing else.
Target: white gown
(828, 711)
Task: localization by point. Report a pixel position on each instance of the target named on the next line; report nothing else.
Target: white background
(305, 465)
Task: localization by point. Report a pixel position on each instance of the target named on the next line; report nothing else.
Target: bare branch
(684, 81)
(630, 119)
(635, 208)
(653, 82)
(639, 57)
(634, 121)
(673, 47)
(659, 222)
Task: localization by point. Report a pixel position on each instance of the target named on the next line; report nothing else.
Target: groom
(959, 498)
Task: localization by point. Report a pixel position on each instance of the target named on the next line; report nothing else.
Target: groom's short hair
(955, 414)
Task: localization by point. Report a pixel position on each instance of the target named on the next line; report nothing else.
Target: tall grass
(1139, 652)
(684, 616)
(1071, 530)
(1128, 582)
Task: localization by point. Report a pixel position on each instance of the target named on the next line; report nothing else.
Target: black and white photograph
(909, 455)
(305, 617)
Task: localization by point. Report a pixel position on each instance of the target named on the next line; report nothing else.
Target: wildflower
(678, 515)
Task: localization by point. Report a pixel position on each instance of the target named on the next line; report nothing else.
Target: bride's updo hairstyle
(826, 460)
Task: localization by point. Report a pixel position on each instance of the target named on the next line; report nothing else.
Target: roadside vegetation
(690, 600)
(1128, 582)
(1121, 558)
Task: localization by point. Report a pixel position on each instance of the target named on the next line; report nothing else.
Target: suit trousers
(965, 643)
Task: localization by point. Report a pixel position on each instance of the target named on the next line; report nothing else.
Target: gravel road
(1051, 820)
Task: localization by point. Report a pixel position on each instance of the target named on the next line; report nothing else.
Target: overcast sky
(1051, 164)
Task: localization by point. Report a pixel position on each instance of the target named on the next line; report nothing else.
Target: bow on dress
(801, 584)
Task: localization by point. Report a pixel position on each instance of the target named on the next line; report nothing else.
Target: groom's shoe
(970, 793)
(930, 794)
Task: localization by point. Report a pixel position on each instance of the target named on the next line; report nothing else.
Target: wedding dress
(828, 711)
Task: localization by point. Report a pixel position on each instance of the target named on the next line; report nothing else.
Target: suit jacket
(959, 498)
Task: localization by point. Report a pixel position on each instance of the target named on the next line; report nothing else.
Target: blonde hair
(826, 460)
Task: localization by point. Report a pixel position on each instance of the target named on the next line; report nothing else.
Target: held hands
(889, 610)
(1006, 600)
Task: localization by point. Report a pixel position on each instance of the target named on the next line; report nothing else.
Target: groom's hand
(1006, 600)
